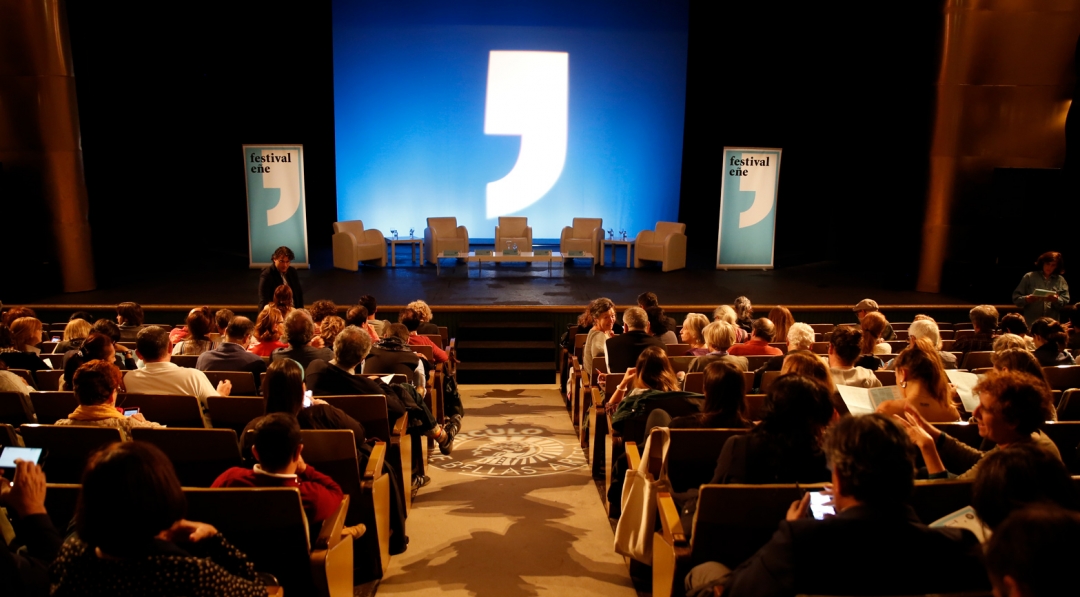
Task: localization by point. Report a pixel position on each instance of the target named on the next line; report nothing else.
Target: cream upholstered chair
(666, 244)
(443, 234)
(353, 244)
(585, 235)
(514, 230)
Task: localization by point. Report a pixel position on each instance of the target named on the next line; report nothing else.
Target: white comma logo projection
(281, 174)
(527, 95)
(760, 180)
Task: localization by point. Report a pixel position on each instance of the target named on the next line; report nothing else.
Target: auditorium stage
(813, 287)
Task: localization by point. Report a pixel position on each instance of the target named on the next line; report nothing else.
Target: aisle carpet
(513, 512)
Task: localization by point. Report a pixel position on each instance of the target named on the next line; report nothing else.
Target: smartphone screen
(10, 453)
(820, 505)
(130, 411)
(307, 399)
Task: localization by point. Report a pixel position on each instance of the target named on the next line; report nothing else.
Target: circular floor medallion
(510, 452)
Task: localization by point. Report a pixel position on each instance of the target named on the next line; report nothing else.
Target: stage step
(506, 352)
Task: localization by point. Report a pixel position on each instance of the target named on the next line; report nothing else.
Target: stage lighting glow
(547, 109)
(527, 96)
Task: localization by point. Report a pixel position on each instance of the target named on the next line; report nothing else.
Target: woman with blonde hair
(726, 314)
(782, 320)
(691, 334)
(809, 365)
(75, 333)
(719, 336)
(424, 311)
(269, 327)
(923, 385)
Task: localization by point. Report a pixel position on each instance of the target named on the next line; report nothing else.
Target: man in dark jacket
(232, 355)
(873, 475)
(281, 272)
(624, 349)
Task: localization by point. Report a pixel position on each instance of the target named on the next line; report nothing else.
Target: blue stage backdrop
(548, 109)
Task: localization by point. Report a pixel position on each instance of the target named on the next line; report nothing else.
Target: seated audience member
(872, 326)
(125, 357)
(161, 376)
(96, 385)
(15, 358)
(744, 314)
(1019, 359)
(645, 300)
(357, 316)
(844, 351)
(411, 319)
(221, 320)
(873, 477)
(329, 329)
(198, 340)
(28, 333)
(1012, 406)
(152, 550)
(24, 570)
(269, 328)
(602, 319)
(9, 382)
(181, 333)
(97, 346)
(424, 312)
(75, 333)
(1033, 553)
(130, 318)
(1014, 323)
(719, 336)
(758, 344)
(782, 319)
(17, 312)
(379, 325)
(985, 320)
(726, 314)
(927, 328)
(868, 306)
(800, 338)
(1007, 341)
(320, 310)
(691, 334)
(393, 355)
(923, 384)
(231, 354)
(809, 365)
(283, 300)
(299, 330)
(725, 403)
(1019, 476)
(1050, 342)
(785, 447)
(651, 379)
(658, 326)
(622, 351)
(280, 273)
(277, 448)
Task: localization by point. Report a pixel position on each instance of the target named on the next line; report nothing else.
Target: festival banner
(748, 208)
(276, 202)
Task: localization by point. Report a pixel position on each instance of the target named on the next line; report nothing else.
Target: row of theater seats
(264, 523)
(734, 521)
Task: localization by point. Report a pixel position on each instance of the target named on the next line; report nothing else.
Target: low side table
(629, 244)
(412, 242)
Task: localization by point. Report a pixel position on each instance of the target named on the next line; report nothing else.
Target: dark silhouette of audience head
(357, 315)
(221, 320)
(764, 329)
(95, 382)
(1017, 476)
(132, 313)
(410, 319)
(1013, 323)
(198, 324)
(798, 409)
(283, 387)
(351, 346)
(138, 480)
(277, 441)
(984, 318)
(369, 303)
(1049, 331)
(239, 328)
(654, 371)
(810, 366)
(98, 346)
(1034, 552)
(648, 299)
(657, 321)
(268, 324)
(725, 389)
(109, 328)
(299, 329)
(398, 331)
(152, 343)
(320, 310)
(872, 459)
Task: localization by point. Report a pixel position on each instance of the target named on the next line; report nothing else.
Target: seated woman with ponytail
(923, 384)
(1050, 339)
(871, 345)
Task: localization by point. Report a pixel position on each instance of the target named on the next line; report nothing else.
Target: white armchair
(515, 230)
(666, 244)
(353, 244)
(586, 235)
(443, 234)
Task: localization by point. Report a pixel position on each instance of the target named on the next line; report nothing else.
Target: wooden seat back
(425, 351)
(243, 382)
(757, 361)
(50, 407)
(681, 362)
(185, 360)
(368, 410)
(748, 380)
(1068, 407)
(15, 409)
(820, 348)
(767, 379)
(676, 350)
(333, 453)
(1063, 378)
(234, 412)
(48, 379)
(977, 359)
(69, 447)
(56, 361)
(166, 409)
(1066, 436)
(8, 436)
(755, 407)
(61, 500)
(198, 455)
(934, 499)
(694, 382)
(436, 339)
(887, 377)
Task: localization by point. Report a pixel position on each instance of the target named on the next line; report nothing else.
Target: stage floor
(513, 285)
